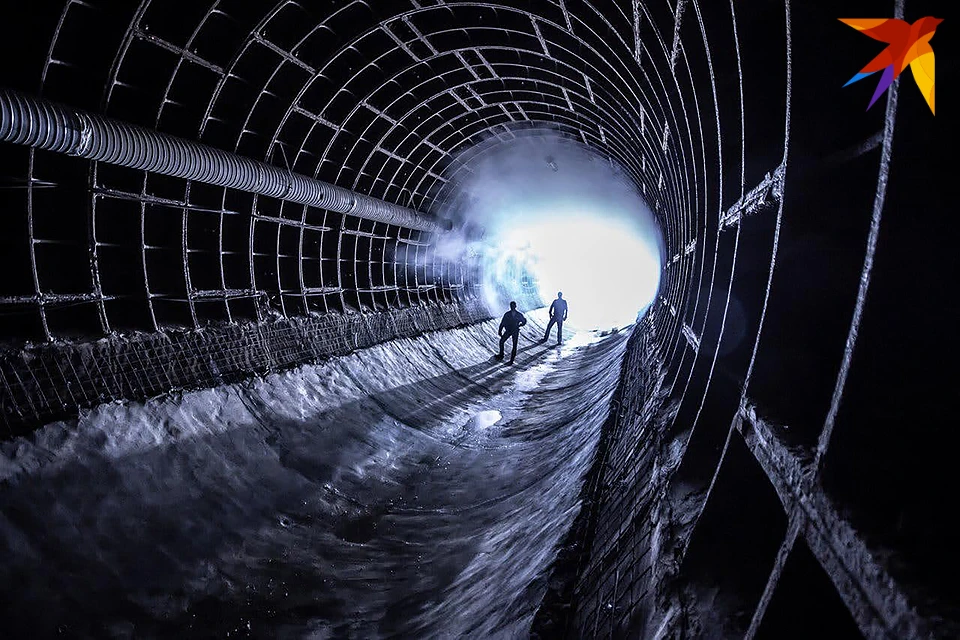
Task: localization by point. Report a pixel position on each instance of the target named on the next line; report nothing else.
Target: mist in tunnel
(558, 217)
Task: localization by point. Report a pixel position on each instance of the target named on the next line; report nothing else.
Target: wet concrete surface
(414, 489)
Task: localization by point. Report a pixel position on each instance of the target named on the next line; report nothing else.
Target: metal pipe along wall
(44, 125)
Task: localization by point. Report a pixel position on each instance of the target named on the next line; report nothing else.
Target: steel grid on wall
(382, 111)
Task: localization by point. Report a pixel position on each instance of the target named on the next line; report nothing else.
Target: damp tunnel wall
(777, 407)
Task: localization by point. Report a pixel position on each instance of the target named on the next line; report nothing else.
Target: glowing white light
(608, 272)
(570, 219)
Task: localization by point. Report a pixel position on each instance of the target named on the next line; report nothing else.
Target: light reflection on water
(484, 419)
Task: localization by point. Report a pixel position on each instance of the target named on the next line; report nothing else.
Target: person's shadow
(497, 357)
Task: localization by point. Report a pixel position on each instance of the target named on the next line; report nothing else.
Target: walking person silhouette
(558, 313)
(510, 328)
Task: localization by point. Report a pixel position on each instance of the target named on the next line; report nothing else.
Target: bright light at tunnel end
(557, 216)
(607, 269)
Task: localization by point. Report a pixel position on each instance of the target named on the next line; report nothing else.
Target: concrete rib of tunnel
(125, 284)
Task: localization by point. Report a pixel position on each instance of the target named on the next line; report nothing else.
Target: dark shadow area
(805, 603)
(701, 456)
(892, 456)
(733, 547)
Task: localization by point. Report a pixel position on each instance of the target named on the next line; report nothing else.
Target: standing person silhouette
(510, 328)
(558, 313)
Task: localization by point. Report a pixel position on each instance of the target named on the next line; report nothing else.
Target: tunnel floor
(418, 488)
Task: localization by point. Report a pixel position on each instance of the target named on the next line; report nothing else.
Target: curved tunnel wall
(791, 257)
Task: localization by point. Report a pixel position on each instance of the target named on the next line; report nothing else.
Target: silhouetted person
(558, 313)
(510, 328)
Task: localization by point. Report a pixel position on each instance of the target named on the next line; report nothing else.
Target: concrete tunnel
(246, 386)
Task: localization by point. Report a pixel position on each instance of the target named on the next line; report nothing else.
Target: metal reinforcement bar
(45, 125)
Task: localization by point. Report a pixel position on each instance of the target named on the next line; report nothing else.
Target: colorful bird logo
(909, 44)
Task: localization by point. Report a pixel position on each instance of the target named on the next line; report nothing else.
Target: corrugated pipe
(53, 127)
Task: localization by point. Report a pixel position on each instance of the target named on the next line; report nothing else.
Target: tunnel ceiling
(379, 97)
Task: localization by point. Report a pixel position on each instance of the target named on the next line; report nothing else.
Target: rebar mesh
(51, 381)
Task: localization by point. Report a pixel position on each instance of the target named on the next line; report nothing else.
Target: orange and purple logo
(908, 44)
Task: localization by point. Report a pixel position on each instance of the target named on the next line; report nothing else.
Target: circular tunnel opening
(549, 216)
